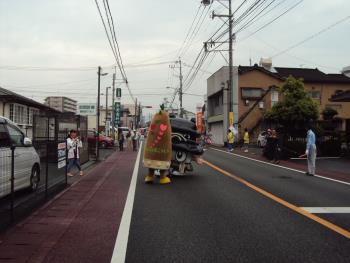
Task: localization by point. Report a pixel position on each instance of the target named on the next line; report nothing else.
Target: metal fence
(30, 175)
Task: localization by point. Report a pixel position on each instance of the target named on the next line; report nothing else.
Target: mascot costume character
(158, 150)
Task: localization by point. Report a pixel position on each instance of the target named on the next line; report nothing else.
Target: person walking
(121, 140)
(277, 146)
(230, 140)
(73, 147)
(268, 149)
(129, 140)
(246, 140)
(134, 138)
(311, 152)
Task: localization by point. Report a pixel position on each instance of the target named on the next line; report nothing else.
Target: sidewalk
(337, 169)
(78, 225)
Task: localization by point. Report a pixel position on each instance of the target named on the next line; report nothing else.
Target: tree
(296, 107)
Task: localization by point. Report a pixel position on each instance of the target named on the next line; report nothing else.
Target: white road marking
(280, 166)
(317, 158)
(327, 210)
(121, 243)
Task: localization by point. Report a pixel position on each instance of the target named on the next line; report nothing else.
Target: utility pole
(113, 107)
(97, 138)
(106, 118)
(230, 60)
(180, 91)
(230, 49)
(98, 113)
(135, 117)
(139, 115)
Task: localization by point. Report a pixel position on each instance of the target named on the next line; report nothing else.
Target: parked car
(27, 161)
(261, 141)
(103, 141)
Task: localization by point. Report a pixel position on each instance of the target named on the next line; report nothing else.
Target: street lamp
(99, 73)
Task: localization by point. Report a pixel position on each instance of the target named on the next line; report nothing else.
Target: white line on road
(121, 243)
(327, 210)
(280, 166)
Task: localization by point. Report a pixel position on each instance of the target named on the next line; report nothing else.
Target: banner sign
(231, 118)
(200, 121)
(117, 113)
(61, 155)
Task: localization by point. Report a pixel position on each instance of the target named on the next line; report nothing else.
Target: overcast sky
(69, 34)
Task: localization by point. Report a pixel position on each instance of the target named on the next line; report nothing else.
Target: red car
(103, 141)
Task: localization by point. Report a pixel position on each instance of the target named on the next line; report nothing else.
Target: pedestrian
(246, 140)
(134, 138)
(73, 146)
(230, 140)
(311, 151)
(121, 140)
(276, 147)
(268, 149)
(128, 140)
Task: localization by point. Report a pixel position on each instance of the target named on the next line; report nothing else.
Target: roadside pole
(13, 147)
(113, 107)
(97, 134)
(47, 157)
(181, 90)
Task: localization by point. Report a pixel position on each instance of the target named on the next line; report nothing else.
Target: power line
(270, 22)
(196, 31)
(312, 36)
(189, 30)
(115, 45)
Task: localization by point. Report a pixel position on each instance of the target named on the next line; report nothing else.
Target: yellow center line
(277, 199)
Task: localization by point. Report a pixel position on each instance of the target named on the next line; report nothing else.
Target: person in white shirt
(73, 146)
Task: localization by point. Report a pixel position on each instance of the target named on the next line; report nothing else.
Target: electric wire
(311, 37)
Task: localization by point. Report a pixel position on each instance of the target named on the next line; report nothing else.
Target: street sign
(87, 109)
(118, 93)
(117, 113)
(61, 155)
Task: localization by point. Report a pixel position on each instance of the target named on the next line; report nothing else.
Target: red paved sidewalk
(322, 171)
(80, 224)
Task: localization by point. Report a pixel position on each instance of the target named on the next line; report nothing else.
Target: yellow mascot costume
(158, 150)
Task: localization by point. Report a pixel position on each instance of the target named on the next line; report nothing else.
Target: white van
(27, 161)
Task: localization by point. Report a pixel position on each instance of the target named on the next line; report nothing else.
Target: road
(232, 209)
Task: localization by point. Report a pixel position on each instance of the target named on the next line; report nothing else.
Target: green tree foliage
(296, 105)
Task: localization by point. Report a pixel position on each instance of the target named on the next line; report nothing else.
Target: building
(21, 110)
(255, 90)
(62, 104)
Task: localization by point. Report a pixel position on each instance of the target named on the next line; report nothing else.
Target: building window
(21, 114)
(251, 93)
(315, 94)
(274, 98)
(12, 112)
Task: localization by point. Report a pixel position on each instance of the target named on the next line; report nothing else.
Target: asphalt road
(207, 216)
